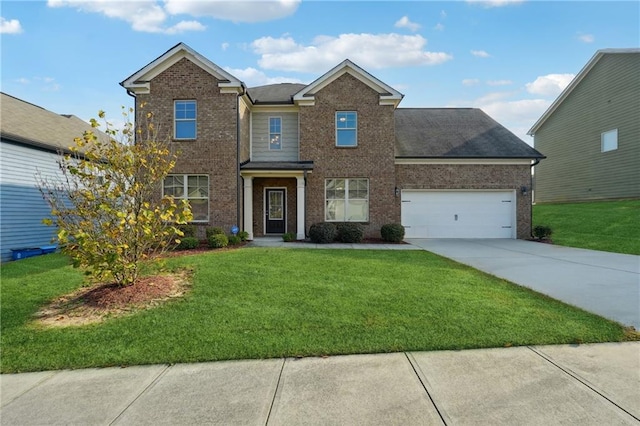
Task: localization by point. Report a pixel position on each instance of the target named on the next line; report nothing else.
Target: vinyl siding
(260, 137)
(607, 98)
(21, 205)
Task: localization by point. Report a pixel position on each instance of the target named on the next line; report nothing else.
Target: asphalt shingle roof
(33, 125)
(275, 93)
(455, 133)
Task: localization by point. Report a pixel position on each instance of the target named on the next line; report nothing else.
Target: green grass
(270, 302)
(600, 225)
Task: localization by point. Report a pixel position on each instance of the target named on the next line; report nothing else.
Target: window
(346, 200)
(346, 128)
(185, 119)
(193, 188)
(609, 140)
(275, 133)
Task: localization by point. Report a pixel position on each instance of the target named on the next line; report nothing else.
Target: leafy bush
(187, 243)
(187, 230)
(350, 232)
(218, 241)
(288, 237)
(323, 232)
(234, 240)
(392, 232)
(244, 235)
(216, 230)
(542, 232)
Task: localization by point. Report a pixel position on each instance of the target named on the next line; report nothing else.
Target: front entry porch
(274, 198)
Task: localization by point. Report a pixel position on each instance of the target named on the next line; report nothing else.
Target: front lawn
(599, 225)
(275, 302)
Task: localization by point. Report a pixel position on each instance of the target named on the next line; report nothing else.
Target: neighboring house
(278, 158)
(30, 137)
(591, 133)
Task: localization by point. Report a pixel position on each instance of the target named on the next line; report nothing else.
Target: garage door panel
(476, 214)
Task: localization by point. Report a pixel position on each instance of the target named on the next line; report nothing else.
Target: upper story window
(346, 128)
(609, 140)
(275, 133)
(185, 119)
(193, 188)
(346, 200)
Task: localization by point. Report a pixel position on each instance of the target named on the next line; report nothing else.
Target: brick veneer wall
(373, 158)
(214, 152)
(506, 177)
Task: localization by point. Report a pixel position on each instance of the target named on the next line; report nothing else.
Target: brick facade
(373, 158)
(223, 142)
(214, 152)
(473, 177)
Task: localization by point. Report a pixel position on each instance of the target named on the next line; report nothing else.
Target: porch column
(300, 208)
(248, 205)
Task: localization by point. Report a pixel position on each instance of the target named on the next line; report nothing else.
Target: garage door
(458, 214)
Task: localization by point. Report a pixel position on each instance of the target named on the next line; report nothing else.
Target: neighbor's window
(193, 188)
(275, 133)
(346, 128)
(185, 119)
(609, 140)
(346, 200)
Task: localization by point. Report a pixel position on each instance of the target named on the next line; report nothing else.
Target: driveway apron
(607, 284)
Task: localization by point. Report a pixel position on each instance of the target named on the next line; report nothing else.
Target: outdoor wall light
(397, 191)
(523, 190)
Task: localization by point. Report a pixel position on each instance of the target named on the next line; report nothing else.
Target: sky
(511, 58)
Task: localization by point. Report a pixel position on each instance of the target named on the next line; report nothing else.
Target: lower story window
(193, 188)
(346, 200)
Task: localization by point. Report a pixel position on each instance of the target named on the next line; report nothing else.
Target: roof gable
(388, 95)
(575, 82)
(456, 133)
(138, 82)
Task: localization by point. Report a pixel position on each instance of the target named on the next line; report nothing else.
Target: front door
(275, 213)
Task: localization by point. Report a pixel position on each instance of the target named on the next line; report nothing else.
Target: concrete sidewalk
(604, 283)
(587, 385)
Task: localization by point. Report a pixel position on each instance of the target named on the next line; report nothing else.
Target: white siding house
(30, 139)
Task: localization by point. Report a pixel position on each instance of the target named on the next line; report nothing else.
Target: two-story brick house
(278, 158)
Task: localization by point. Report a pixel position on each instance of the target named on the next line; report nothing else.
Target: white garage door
(458, 214)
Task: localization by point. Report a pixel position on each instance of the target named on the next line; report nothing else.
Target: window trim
(176, 120)
(614, 144)
(270, 133)
(355, 129)
(346, 199)
(185, 191)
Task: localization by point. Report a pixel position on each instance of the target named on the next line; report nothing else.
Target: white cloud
(550, 84)
(236, 11)
(499, 82)
(586, 38)
(480, 54)
(152, 16)
(470, 82)
(495, 3)
(404, 22)
(224, 46)
(439, 27)
(253, 77)
(23, 80)
(443, 14)
(370, 51)
(10, 26)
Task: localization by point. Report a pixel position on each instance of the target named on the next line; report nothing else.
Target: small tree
(107, 204)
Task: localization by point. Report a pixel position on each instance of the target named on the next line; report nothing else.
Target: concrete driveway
(607, 284)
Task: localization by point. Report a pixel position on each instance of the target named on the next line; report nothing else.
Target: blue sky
(510, 58)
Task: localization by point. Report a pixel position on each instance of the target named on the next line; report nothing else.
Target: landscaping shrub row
(215, 237)
(351, 232)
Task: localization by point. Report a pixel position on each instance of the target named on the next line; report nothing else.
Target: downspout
(305, 200)
(238, 182)
(535, 163)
